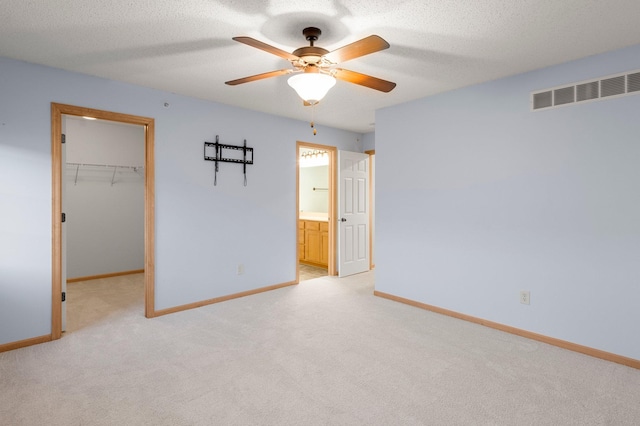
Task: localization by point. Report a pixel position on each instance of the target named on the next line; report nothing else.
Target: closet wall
(105, 210)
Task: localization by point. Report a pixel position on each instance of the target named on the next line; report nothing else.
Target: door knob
(343, 220)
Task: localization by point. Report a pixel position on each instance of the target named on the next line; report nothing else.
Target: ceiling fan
(314, 67)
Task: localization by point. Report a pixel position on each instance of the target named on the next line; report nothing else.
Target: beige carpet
(325, 352)
(90, 302)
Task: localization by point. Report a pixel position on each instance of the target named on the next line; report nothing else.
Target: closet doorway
(103, 202)
(315, 209)
(79, 168)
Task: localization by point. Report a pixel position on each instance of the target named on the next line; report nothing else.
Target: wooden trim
(56, 221)
(57, 110)
(24, 343)
(97, 277)
(298, 212)
(371, 153)
(222, 299)
(149, 219)
(332, 268)
(317, 265)
(596, 353)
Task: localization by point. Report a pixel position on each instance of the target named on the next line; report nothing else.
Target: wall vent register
(597, 89)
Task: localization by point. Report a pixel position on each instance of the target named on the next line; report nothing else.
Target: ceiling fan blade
(258, 77)
(266, 47)
(356, 49)
(364, 80)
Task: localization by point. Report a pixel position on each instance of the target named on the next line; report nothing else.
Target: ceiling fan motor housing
(310, 54)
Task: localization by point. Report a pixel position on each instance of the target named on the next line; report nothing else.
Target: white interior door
(63, 193)
(353, 209)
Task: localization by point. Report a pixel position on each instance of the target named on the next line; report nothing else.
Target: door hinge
(64, 138)
(64, 217)
(64, 296)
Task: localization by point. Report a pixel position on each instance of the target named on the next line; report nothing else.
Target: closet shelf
(139, 170)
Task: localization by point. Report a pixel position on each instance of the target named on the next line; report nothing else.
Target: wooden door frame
(57, 111)
(371, 153)
(333, 214)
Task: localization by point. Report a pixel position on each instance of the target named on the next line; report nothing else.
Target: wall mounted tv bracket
(221, 153)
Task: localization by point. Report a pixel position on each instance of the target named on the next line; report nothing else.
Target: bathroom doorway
(315, 211)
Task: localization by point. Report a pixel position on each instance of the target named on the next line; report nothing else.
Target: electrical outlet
(240, 269)
(525, 297)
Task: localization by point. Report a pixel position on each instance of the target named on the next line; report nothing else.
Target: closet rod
(134, 168)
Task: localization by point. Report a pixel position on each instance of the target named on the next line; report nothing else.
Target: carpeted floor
(324, 352)
(94, 301)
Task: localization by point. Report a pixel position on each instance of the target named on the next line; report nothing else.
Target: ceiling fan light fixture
(312, 86)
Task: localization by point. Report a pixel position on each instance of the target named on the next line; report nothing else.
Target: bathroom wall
(317, 200)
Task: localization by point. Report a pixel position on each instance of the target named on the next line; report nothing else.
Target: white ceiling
(185, 46)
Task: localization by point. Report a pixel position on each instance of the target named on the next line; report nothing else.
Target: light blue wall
(202, 231)
(369, 141)
(478, 198)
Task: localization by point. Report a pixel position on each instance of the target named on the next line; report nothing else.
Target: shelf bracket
(115, 168)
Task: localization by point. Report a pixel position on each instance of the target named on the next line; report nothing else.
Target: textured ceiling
(185, 46)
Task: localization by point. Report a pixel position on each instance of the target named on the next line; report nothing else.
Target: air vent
(563, 96)
(587, 91)
(543, 100)
(633, 82)
(615, 85)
